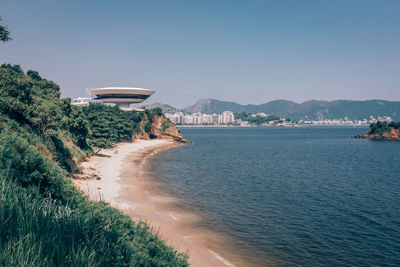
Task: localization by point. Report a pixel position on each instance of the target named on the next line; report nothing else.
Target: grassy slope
(44, 220)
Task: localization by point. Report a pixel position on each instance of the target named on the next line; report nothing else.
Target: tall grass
(42, 232)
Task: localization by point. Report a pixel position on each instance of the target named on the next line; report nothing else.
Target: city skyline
(246, 52)
(228, 118)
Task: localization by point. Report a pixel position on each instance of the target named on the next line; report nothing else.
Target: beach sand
(116, 178)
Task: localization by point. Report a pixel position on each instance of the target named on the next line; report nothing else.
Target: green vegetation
(44, 220)
(380, 128)
(255, 119)
(110, 125)
(4, 33)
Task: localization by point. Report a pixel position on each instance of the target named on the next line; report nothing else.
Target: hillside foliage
(44, 220)
(380, 128)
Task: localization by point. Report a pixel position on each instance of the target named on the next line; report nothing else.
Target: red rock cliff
(393, 135)
(161, 128)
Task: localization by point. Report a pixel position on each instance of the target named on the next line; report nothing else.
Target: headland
(382, 131)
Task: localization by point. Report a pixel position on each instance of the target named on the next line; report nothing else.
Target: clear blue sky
(243, 51)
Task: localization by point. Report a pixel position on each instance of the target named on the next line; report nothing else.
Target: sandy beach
(115, 176)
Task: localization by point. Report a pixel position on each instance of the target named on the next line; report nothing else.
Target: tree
(100, 134)
(34, 75)
(5, 35)
(44, 115)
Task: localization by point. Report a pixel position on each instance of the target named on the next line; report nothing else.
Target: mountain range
(313, 109)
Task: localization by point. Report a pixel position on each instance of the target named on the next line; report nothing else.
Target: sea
(299, 196)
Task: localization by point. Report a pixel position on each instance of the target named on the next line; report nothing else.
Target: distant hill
(313, 109)
(164, 107)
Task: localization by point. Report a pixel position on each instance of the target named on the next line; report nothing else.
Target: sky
(242, 51)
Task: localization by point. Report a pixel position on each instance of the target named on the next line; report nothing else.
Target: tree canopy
(5, 35)
(383, 127)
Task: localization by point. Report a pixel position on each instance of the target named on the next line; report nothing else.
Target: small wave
(219, 257)
(173, 217)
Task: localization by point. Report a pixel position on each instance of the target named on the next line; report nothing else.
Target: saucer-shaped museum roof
(122, 96)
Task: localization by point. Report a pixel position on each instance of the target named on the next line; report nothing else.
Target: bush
(23, 164)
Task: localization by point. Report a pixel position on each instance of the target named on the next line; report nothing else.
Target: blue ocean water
(291, 196)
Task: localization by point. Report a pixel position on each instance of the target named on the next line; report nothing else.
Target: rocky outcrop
(161, 128)
(394, 135)
(164, 129)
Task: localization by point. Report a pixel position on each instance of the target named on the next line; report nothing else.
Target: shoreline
(120, 180)
(273, 126)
